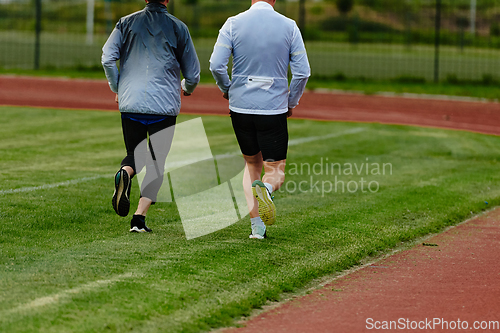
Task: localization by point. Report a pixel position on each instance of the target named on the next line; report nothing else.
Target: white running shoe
(258, 232)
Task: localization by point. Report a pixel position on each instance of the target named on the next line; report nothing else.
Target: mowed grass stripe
(65, 295)
(292, 142)
(67, 237)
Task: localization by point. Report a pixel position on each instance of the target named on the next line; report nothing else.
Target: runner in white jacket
(263, 44)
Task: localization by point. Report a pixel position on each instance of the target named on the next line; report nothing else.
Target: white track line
(65, 295)
(295, 142)
(408, 95)
(47, 186)
(292, 142)
(299, 141)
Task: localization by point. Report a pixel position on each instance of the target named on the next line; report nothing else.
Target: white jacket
(263, 44)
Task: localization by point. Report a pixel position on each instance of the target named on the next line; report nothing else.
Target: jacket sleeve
(110, 54)
(220, 57)
(300, 69)
(190, 65)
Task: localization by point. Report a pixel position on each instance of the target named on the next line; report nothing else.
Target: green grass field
(68, 263)
(373, 61)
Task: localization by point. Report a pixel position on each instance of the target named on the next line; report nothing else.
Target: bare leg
(253, 169)
(274, 173)
(129, 170)
(144, 204)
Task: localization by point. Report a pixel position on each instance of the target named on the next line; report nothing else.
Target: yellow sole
(267, 209)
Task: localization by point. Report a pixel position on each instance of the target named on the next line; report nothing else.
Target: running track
(429, 288)
(95, 94)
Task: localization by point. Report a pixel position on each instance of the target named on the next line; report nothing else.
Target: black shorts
(261, 133)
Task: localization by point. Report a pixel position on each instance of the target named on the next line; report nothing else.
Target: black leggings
(135, 135)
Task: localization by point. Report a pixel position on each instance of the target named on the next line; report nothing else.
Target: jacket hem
(258, 112)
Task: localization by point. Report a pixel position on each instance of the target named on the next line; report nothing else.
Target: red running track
(207, 99)
(424, 287)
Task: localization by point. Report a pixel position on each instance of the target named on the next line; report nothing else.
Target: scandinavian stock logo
(207, 189)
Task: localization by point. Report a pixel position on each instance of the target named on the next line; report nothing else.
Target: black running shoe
(121, 201)
(138, 224)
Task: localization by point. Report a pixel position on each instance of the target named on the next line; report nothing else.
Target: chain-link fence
(413, 39)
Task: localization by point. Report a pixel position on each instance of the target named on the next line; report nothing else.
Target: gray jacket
(153, 47)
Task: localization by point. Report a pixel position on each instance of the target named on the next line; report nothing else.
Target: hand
(226, 95)
(183, 88)
(116, 98)
(289, 113)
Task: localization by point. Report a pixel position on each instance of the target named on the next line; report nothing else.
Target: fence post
(473, 17)
(90, 22)
(171, 7)
(109, 16)
(38, 29)
(437, 41)
(302, 15)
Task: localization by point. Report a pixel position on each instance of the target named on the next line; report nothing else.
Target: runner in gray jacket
(153, 48)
